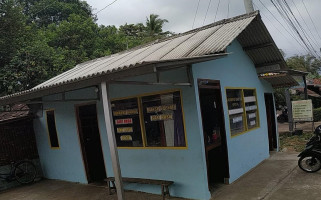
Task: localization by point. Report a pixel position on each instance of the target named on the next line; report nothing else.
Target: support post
(248, 6)
(112, 141)
(305, 88)
(289, 106)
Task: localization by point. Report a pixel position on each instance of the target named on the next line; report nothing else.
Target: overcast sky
(180, 14)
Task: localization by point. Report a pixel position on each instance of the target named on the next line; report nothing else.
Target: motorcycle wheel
(309, 163)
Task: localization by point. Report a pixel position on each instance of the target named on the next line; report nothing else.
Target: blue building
(196, 108)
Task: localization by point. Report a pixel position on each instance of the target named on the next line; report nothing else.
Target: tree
(42, 38)
(45, 12)
(306, 63)
(12, 30)
(154, 25)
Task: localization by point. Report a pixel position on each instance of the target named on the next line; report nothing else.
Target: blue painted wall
(187, 168)
(66, 162)
(237, 70)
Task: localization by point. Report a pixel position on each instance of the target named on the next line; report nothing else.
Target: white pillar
(248, 6)
(112, 141)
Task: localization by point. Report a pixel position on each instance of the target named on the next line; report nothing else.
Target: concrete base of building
(276, 178)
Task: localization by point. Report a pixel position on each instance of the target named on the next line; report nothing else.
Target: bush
(317, 114)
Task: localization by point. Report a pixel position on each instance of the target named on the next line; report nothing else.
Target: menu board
(127, 123)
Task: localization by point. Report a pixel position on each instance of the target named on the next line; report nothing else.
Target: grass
(294, 143)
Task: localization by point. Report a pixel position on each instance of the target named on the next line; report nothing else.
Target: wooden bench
(164, 184)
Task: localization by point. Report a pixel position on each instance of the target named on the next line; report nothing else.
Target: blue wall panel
(237, 70)
(186, 167)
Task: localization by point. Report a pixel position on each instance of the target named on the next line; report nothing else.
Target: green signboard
(302, 110)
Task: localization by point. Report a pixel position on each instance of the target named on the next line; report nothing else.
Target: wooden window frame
(49, 140)
(141, 118)
(246, 129)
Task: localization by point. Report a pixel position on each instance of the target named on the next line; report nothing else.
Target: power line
(311, 20)
(315, 41)
(285, 37)
(209, 4)
(283, 26)
(218, 5)
(286, 16)
(106, 7)
(308, 38)
(196, 13)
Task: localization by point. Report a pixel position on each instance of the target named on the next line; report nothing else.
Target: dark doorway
(214, 131)
(270, 116)
(90, 143)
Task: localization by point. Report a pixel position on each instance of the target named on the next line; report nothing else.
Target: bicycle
(23, 171)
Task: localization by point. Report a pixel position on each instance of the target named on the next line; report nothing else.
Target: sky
(181, 14)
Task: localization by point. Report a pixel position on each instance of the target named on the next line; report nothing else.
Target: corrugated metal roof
(208, 40)
(18, 111)
(281, 81)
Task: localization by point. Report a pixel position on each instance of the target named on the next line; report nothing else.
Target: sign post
(302, 111)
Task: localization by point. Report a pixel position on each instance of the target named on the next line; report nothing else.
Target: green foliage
(306, 63)
(46, 12)
(317, 114)
(294, 143)
(12, 29)
(279, 95)
(154, 25)
(42, 38)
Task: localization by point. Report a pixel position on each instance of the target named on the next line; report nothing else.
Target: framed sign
(302, 110)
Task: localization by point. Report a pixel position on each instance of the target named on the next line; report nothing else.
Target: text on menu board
(161, 117)
(125, 112)
(126, 138)
(125, 130)
(161, 108)
(124, 121)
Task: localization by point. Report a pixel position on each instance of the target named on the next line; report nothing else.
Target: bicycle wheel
(25, 172)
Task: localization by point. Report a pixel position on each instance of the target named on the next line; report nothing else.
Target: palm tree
(154, 25)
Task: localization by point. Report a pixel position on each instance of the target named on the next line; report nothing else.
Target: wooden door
(90, 142)
(270, 116)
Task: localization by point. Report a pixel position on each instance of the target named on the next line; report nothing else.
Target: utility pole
(248, 6)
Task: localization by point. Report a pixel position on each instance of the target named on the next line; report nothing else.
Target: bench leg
(110, 186)
(165, 191)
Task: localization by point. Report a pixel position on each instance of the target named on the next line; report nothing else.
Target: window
(127, 123)
(242, 110)
(235, 111)
(149, 121)
(163, 120)
(52, 131)
(251, 108)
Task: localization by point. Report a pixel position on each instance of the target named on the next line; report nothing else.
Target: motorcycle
(283, 117)
(310, 157)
